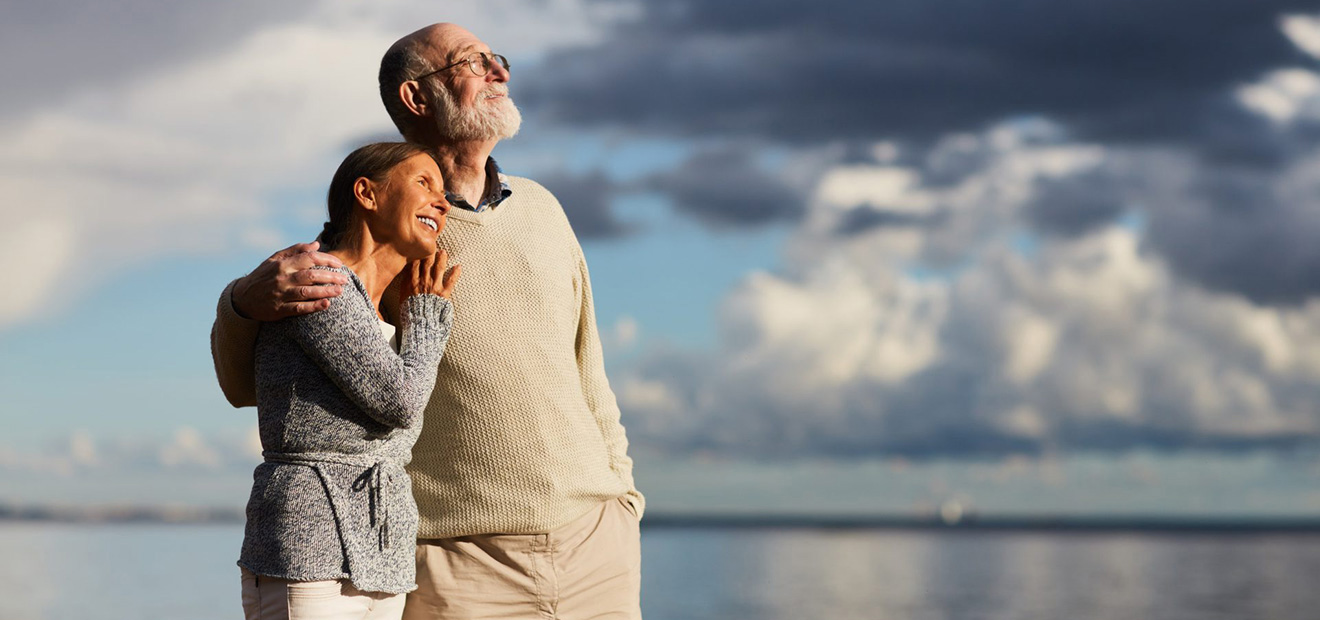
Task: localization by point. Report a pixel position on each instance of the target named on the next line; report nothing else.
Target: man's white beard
(486, 119)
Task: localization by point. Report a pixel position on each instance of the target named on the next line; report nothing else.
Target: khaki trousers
(589, 568)
(272, 598)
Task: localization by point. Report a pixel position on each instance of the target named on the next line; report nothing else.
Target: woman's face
(410, 207)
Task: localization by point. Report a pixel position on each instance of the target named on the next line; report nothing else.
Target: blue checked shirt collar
(495, 194)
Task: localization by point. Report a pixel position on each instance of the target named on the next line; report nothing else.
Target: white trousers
(271, 598)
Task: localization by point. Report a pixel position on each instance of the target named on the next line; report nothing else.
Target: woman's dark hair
(373, 161)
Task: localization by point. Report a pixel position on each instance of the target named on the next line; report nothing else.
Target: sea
(58, 571)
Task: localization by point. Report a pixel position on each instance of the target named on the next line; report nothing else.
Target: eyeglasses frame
(487, 61)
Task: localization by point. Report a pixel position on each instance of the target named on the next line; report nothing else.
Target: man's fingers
(307, 260)
(294, 250)
(325, 260)
(303, 307)
(311, 293)
(318, 276)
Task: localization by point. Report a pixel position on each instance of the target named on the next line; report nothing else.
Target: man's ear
(365, 192)
(410, 92)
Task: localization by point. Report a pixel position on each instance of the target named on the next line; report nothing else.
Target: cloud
(184, 449)
(587, 200)
(187, 448)
(1238, 229)
(918, 69)
(1079, 203)
(57, 50)
(157, 129)
(998, 327)
(726, 186)
(625, 332)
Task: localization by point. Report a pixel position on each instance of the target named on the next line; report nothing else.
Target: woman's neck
(376, 265)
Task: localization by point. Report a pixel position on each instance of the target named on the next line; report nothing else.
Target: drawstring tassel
(374, 480)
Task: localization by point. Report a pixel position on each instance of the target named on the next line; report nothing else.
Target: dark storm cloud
(51, 49)
(1076, 205)
(843, 70)
(724, 187)
(863, 219)
(1238, 231)
(587, 201)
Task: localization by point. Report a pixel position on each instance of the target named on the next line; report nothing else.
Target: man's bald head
(408, 58)
(464, 105)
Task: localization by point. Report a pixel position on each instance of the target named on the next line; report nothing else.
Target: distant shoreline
(653, 520)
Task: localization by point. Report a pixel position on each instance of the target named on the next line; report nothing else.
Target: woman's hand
(428, 275)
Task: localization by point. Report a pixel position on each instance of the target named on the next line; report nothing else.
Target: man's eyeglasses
(480, 63)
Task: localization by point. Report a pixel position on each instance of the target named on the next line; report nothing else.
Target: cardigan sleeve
(233, 340)
(344, 341)
(596, 388)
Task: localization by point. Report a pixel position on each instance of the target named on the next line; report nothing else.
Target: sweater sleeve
(233, 340)
(596, 388)
(344, 340)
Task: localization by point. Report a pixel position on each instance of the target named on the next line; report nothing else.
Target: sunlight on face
(411, 207)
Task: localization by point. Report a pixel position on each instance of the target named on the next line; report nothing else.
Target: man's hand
(286, 285)
(428, 275)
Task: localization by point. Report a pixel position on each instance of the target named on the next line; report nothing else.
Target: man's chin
(509, 120)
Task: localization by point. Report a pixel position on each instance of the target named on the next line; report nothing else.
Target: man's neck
(463, 165)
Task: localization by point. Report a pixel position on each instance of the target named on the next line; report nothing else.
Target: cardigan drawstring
(373, 480)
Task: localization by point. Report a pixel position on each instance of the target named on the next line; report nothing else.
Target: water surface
(89, 572)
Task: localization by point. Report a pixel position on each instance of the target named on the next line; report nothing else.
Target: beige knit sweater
(522, 433)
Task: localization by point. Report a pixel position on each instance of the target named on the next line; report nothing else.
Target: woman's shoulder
(352, 304)
(344, 270)
(355, 283)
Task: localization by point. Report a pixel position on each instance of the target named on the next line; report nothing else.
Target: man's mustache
(495, 88)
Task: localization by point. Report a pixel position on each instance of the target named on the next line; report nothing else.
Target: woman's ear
(413, 98)
(365, 192)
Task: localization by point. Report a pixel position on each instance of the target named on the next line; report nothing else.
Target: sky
(1028, 255)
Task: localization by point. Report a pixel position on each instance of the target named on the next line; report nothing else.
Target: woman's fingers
(414, 284)
(450, 279)
(432, 275)
(428, 274)
(438, 269)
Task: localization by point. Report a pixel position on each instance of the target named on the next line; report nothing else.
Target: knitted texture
(522, 433)
(338, 413)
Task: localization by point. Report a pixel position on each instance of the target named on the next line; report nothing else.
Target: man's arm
(283, 285)
(596, 388)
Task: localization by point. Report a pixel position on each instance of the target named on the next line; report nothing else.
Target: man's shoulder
(526, 189)
(533, 198)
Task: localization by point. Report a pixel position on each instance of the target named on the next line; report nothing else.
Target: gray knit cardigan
(338, 413)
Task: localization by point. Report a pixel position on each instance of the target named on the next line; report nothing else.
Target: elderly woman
(331, 523)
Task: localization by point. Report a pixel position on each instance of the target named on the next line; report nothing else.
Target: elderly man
(521, 474)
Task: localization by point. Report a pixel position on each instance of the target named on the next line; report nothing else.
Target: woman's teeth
(430, 223)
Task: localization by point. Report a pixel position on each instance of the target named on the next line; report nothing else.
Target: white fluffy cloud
(182, 157)
(1016, 291)
(182, 449)
(970, 330)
